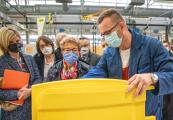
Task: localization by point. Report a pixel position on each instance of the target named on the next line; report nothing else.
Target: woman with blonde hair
(70, 67)
(13, 59)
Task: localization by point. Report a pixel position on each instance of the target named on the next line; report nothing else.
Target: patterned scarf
(69, 73)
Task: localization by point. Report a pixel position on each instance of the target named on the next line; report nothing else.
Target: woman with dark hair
(45, 57)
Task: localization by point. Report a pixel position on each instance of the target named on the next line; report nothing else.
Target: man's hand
(141, 82)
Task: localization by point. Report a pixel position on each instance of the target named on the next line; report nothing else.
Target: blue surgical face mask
(113, 39)
(70, 57)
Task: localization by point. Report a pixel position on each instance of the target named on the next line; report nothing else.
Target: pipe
(76, 10)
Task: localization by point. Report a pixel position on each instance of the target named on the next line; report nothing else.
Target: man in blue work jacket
(142, 60)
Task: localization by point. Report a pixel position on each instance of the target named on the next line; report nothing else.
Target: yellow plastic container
(87, 99)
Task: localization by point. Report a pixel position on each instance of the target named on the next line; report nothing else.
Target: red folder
(13, 79)
(16, 80)
(17, 102)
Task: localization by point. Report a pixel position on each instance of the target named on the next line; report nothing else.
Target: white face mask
(47, 50)
(84, 51)
(113, 39)
(167, 48)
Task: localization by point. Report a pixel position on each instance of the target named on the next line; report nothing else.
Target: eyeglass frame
(110, 30)
(71, 50)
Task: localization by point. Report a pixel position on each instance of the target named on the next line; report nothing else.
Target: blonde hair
(69, 39)
(7, 34)
(59, 37)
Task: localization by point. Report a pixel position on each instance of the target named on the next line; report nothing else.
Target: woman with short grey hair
(70, 67)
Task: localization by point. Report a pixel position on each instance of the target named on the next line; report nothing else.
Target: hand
(24, 92)
(141, 82)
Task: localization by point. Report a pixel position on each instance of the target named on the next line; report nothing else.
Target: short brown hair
(69, 39)
(47, 41)
(110, 13)
(166, 41)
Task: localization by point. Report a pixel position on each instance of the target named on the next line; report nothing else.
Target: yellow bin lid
(87, 99)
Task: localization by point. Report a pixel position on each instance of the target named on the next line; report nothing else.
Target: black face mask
(15, 47)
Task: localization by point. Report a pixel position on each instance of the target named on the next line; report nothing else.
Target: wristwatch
(155, 78)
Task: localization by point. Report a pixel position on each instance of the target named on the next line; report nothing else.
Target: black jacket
(39, 59)
(92, 59)
(54, 73)
(58, 54)
(168, 107)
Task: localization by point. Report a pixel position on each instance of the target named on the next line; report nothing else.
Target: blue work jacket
(147, 55)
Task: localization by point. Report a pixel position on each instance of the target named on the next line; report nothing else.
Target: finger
(132, 79)
(143, 89)
(25, 86)
(21, 96)
(23, 89)
(139, 88)
(133, 85)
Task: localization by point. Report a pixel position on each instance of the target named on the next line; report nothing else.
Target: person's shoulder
(144, 39)
(150, 40)
(38, 56)
(58, 64)
(84, 65)
(2, 58)
(57, 50)
(110, 51)
(95, 55)
(27, 56)
(152, 44)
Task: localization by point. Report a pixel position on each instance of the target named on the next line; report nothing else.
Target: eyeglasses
(43, 46)
(69, 50)
(110, 30)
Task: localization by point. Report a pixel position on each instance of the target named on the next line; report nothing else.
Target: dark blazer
(58, 54)
(168, 103)
(23, 112)
(39, 59)
(55, 71)
(168, 107)
(92, 59)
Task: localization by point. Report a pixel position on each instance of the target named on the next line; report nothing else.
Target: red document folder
(13, 79)
(17, 102)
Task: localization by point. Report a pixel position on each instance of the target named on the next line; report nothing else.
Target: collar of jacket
(135, 52)
(14, 63)
(137, 40)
